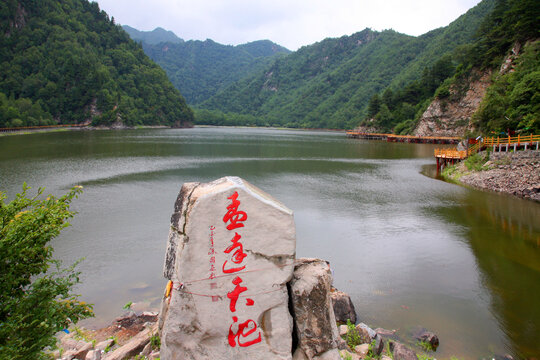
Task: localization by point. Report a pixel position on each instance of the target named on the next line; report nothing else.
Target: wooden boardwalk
(404, 138)
(448, 156)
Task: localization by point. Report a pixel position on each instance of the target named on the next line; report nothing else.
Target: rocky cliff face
(451, 115)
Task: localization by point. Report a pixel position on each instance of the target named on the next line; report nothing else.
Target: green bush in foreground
(35, 301)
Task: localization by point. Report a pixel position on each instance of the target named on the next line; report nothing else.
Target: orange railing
(520, 139)
(453, 153)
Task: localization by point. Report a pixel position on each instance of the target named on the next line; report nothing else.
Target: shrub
(35, 301)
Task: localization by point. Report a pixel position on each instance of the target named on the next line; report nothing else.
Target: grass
(155, 342)
(476, 162)
(425, 345)
(353, 337)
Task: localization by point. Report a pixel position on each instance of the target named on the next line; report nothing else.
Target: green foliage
(400, 109)
(35, 294)
(199, 69)
(476, 162)
(155, 342)
(353, 337)
(71, 63)
(370, 354)
(426, 346)
(127, 306)
(22, 112)
(331, 84)
(513, 100)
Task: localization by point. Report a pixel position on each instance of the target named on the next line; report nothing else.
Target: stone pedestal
(230, 254)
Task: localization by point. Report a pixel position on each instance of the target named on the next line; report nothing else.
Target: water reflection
(504, 236)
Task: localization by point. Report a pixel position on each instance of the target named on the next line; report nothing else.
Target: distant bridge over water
(404, 138)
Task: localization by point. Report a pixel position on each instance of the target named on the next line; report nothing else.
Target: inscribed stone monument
(229, 257)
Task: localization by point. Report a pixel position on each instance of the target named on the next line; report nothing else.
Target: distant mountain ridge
(156, 36)
(199, 69)
(329, 84)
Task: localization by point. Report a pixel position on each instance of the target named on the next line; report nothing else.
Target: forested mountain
(511, 102)
(156, 36)
(329, 84)
(199, 69)
(67, 62)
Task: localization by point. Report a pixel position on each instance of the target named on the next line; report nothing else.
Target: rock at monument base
(430, 338)
(343, 307)
(401, 352)
(229, 256)
(312, 309)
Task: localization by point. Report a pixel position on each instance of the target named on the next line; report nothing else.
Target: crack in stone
(279, 260)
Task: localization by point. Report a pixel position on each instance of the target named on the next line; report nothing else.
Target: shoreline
(93, 128)
(512, 173)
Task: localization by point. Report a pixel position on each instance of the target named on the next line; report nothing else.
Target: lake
(412, 251)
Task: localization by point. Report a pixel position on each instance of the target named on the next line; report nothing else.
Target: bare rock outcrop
(451, 115)
(313, 312)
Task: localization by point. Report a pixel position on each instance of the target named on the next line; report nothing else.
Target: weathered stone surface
(343, 307)
(430, 338)
(372, 333)
(312, 309)
(132, 347)
(78, 353)
(342, 344)
(198, 317)
(343, 330)
(401, 352)
(385, 332)
(361, 350)
(105, 344)
(378, 346)
(348, 354)
(93, 355)
(363, 333)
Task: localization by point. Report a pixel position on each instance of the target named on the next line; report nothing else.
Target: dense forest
(67, 62)
(513, 99)
(329, 84)
(199, 69)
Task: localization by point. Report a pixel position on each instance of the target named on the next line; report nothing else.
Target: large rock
(401, 352)
(133, 347)
(230, 255)
(429, 338)
(343, 307)
(312, 308)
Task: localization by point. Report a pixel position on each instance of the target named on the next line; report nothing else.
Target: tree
(35, 301)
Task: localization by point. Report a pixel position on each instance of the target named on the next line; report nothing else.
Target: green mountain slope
(199, 69)
(156, 36)
(67, 62)
(512, 100)
(329, 84)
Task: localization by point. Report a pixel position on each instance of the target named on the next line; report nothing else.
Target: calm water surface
(410, 250)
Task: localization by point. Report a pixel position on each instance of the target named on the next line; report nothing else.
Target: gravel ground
(513, 173)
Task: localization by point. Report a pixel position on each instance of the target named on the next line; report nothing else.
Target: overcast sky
(290, 23)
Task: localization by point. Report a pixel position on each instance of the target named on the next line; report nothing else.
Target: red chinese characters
(211, 253)
(233, 216)
(244, 333)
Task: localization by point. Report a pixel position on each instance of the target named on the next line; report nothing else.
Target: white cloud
(291, 23)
